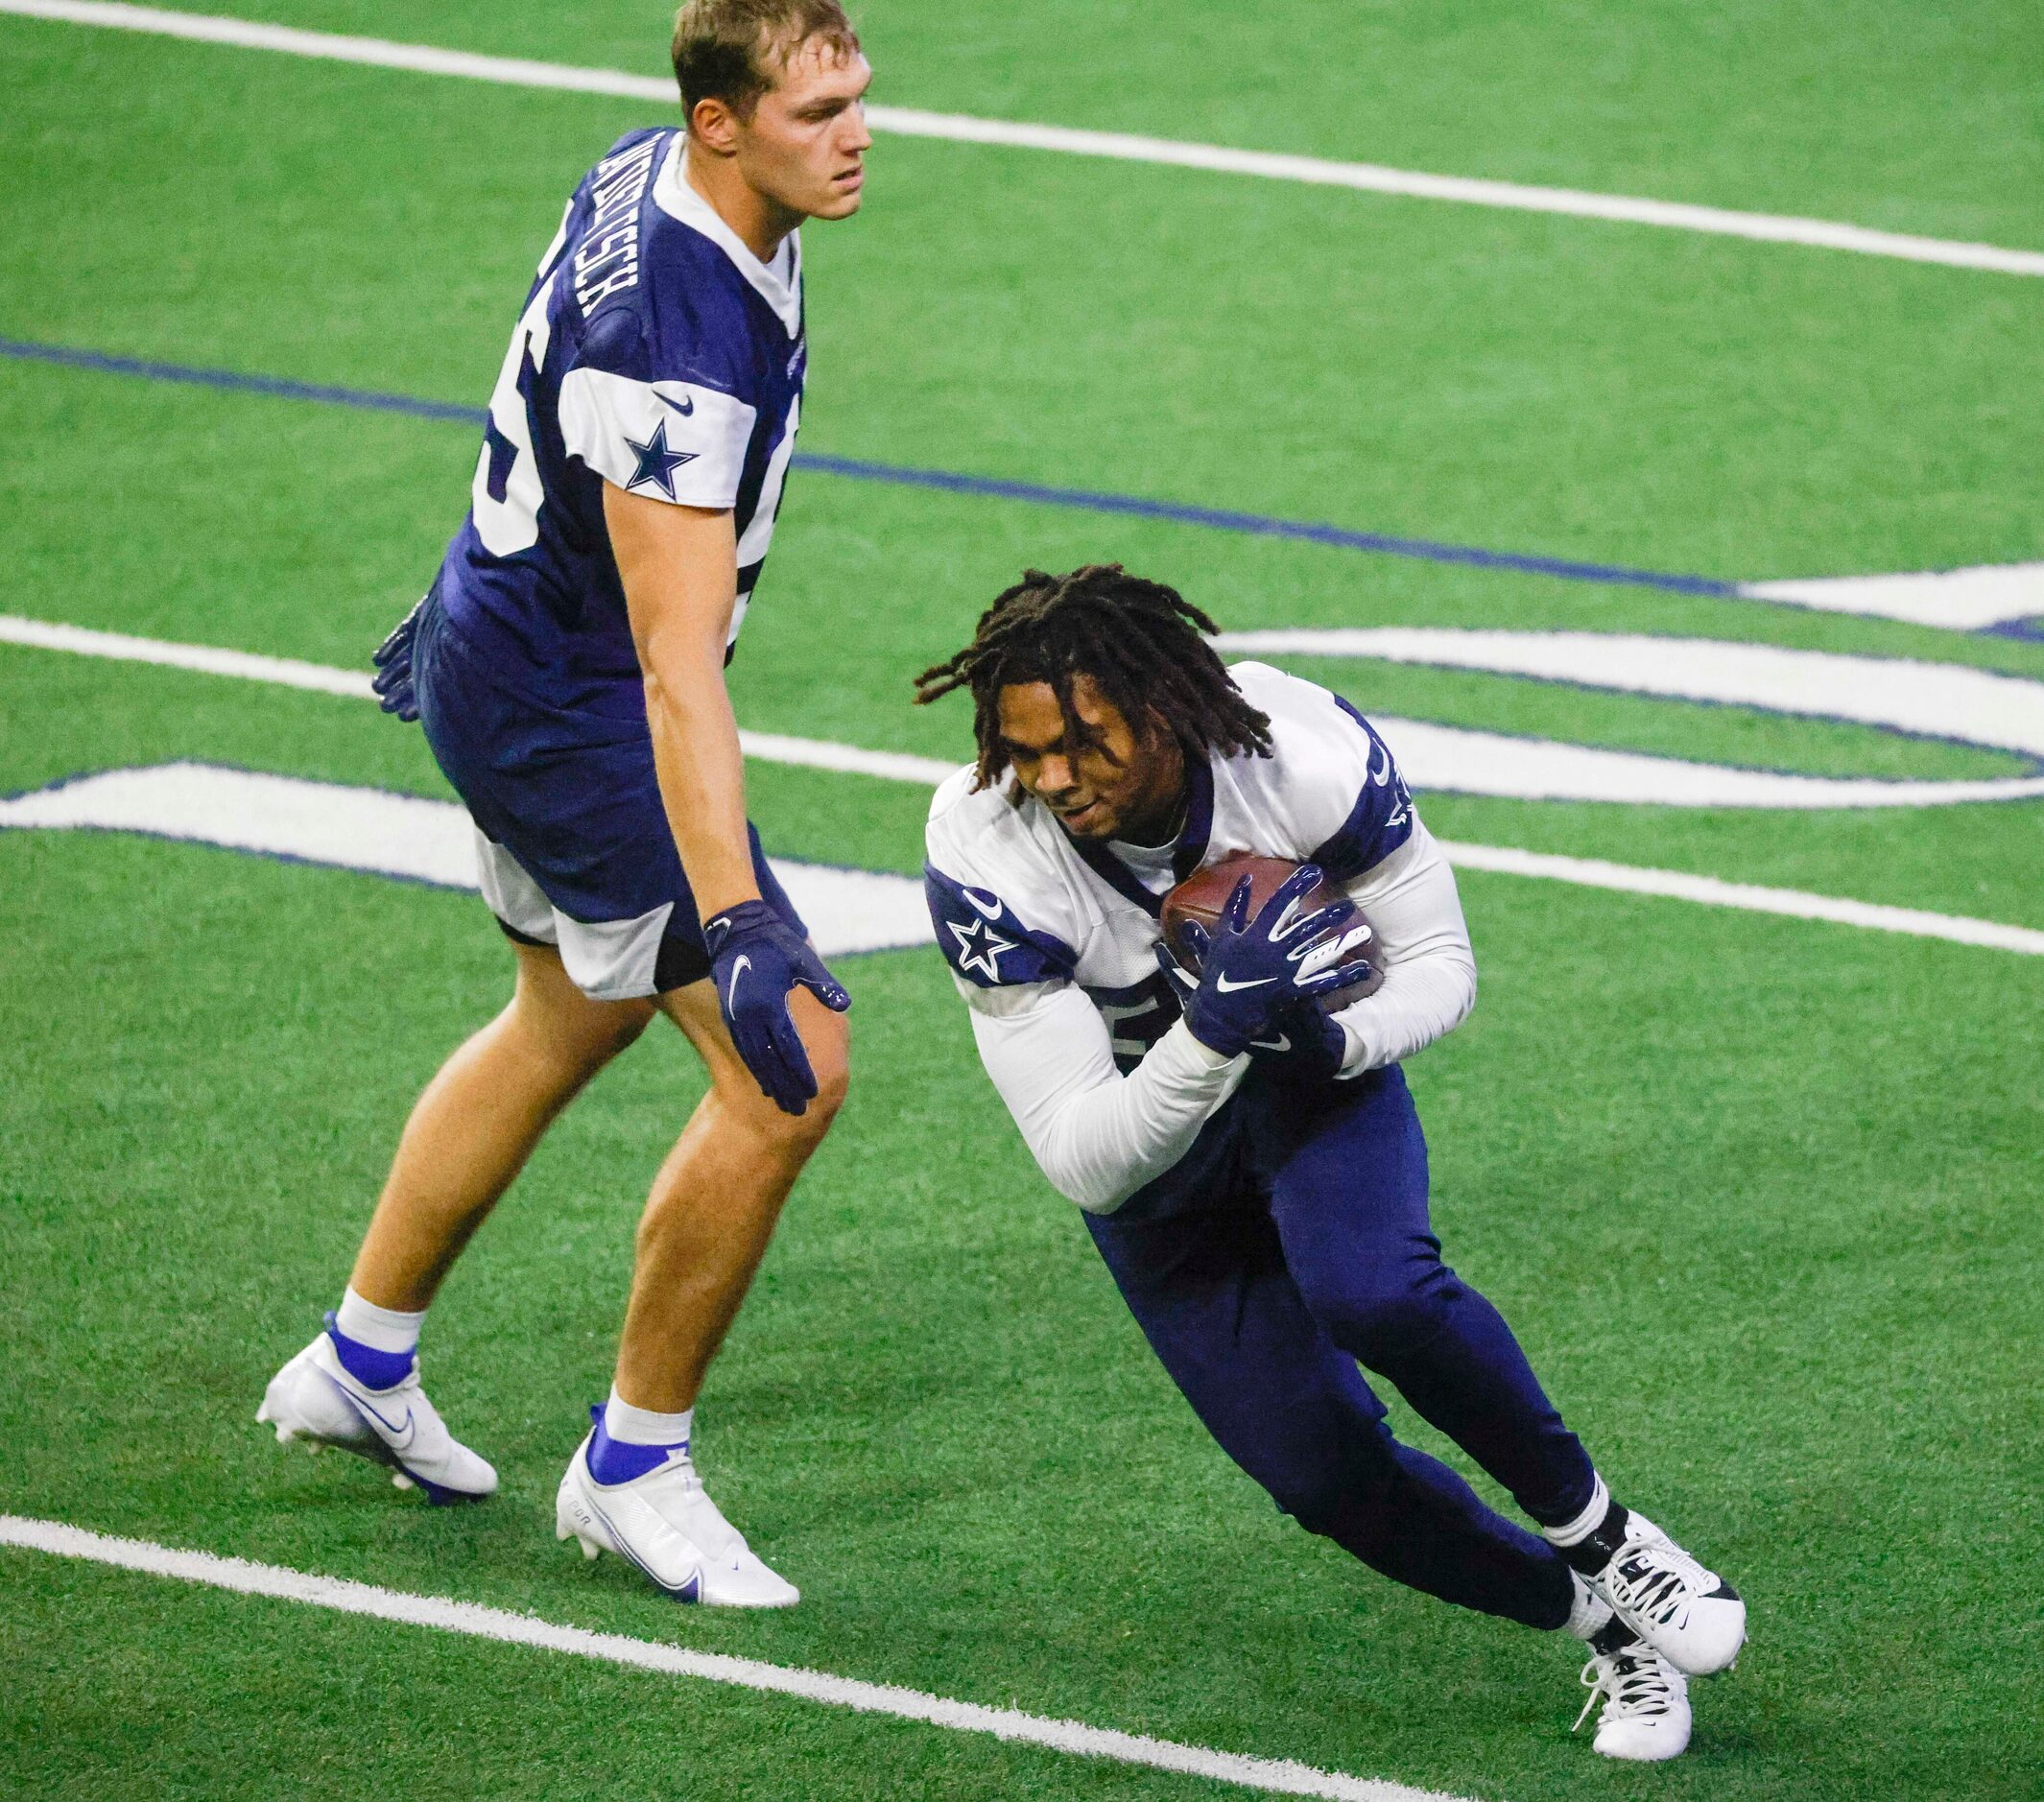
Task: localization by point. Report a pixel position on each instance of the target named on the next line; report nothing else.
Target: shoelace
(1628, 1682)
(1654, 1579)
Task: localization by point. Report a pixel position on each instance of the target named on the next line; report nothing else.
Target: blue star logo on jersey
(980, 947)
(656, 462)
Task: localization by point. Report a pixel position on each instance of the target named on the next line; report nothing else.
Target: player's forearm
(1099, 1137)
(1430, 970)
(701, 776)
(679, 570)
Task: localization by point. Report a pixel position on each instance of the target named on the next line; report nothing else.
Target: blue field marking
(271, 384)
(1260, 524)
(859, 469)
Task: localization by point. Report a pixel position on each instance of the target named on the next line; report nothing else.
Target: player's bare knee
(832, 1064)
(826, 1038)
(803, 1132)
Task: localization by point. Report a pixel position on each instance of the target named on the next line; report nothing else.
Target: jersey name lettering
(612, 236)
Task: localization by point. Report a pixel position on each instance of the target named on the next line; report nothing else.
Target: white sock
(1588, 1613)
(1573, 1533)
(380, 1329)
(642, 1426)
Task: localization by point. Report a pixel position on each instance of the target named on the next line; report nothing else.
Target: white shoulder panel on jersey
(1329, 791)
(1004, 910)
(673, 440)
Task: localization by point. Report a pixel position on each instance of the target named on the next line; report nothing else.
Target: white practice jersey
(1052, 941)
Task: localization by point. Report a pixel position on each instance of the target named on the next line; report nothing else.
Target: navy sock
(374, 1370)
(618, 1460)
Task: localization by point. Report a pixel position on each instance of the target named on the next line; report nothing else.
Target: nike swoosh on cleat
(690, 1591)
(401, 1436)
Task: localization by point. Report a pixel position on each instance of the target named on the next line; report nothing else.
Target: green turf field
(1758, 1193)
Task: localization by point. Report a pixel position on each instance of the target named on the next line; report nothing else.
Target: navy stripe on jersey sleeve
(1381, 819)
(984, 941)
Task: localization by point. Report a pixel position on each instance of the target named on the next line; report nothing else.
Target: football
(1204, 893)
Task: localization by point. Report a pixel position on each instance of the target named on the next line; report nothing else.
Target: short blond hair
(734, 49)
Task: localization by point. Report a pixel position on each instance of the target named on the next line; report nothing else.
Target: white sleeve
(674, 441)
(1098, 1135)
(1430, 971)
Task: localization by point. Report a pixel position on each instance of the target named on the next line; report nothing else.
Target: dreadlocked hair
(1143, 644)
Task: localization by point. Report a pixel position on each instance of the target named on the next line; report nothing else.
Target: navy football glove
(1250, 972)
(393, 658)
(1303, 1043)
(756, 957)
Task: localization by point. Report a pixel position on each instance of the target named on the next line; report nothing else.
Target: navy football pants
(1291, 1243)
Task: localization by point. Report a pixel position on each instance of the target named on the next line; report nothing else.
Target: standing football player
(1250, 1166)
(567, 666)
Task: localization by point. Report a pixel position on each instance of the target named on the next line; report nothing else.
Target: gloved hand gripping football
(1255, 973)
(756, 957)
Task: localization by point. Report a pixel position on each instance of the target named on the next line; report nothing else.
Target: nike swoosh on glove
(393, 658)
(1250, 971)
(1304, 1043)
(756, 957)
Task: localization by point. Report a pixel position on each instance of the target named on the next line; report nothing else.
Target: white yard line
(774, 747)
(1749, 897)
(927, 772)
(1125, 147)
(1271, 1776)
(208, 659)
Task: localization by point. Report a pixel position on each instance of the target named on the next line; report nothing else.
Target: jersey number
(507, 491)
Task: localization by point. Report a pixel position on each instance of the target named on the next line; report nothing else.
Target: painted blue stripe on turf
(275, 386)
(1183, 514)
(1085, 500)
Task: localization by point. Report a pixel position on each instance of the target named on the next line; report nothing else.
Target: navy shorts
(573, 847)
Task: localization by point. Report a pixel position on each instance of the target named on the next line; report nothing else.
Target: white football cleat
(1691, 1615)
(1645, 1701)
(665, 1524)
(313, 1399)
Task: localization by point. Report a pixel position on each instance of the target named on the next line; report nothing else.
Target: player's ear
(713, 125)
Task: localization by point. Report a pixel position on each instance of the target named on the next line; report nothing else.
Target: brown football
(1204, 893)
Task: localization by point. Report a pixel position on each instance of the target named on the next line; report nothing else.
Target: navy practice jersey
(1016, 899)
(655, 352)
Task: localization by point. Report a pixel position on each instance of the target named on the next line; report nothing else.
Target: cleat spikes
(400, 1480)
(590, 1551)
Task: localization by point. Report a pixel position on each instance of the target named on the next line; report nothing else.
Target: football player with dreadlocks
(1251, 1167)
